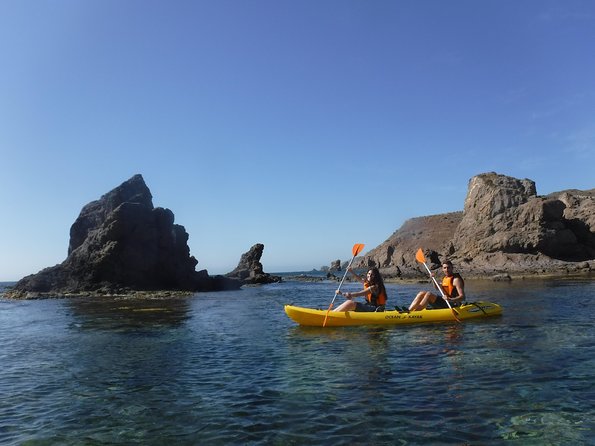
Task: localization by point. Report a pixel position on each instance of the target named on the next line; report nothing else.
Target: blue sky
(305, 125)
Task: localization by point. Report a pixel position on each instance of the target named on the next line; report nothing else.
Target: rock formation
(335, 265)
(504, 227)
(120, 243)
(396, 256)
(505, 215)
(249, 269)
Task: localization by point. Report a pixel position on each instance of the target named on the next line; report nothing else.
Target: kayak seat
(379, 309)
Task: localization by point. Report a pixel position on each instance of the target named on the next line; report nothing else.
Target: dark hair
(376, 279)
(447, 262)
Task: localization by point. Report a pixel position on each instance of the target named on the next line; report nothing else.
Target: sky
(305, 125)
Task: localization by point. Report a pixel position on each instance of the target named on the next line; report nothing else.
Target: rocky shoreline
(125, 295)
(389, 276)
(578, 274)
(121, 246)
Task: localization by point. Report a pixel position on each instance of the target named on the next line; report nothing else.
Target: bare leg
(422, 300)
(417, 300)
(348, 305)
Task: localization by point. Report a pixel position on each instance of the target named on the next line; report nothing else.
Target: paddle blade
(357, 248)
(419, 256)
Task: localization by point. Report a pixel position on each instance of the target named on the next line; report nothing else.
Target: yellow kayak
(315, 318)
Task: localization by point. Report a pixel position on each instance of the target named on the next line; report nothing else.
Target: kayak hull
(315, 318)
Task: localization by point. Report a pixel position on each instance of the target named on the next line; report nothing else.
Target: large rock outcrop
(503, 214)
(122, 242)
(249, 269)
(504, 227)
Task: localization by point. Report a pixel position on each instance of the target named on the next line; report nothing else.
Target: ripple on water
(232, 369)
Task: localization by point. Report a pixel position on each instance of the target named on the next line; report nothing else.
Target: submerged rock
(121, 243)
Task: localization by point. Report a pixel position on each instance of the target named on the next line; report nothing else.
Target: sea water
(230, 368)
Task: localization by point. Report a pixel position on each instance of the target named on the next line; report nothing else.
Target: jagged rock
(331, 276)
(249, 269)
(335, 265)
(92, 216)
(579, 214)
(503, 214)
(121, 242)
(504, 227)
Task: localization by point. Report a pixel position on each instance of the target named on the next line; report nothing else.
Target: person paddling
(452, 285)
(374, 291)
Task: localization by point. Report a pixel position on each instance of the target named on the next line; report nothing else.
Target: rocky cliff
(505, 227)
(249, 269)
(122, 242)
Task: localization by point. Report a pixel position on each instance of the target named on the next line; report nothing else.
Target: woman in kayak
(452, 285)
(374, 291)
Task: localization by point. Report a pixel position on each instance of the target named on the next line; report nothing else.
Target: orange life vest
(448, 285)
(375, 300)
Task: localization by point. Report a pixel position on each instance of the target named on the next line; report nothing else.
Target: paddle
(419, 256)
(357, 248)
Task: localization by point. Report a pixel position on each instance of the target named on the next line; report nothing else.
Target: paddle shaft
(357, 248)
(341, 283)
(436, 282)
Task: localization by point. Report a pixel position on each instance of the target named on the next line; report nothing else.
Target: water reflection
(128, 314)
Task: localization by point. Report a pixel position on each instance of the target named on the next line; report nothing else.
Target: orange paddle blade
(357, 248)
(419, 256)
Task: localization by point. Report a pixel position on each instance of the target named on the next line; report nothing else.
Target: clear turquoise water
(232, 369)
